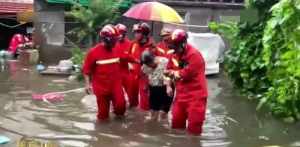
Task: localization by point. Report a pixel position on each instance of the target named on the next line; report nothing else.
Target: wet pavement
(232, 120)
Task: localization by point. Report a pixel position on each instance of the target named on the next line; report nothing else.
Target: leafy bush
(243, 62)
(77, 56)
(95, 15)
(281, 52)
(77, 59)
(91, 18)
(264, 57)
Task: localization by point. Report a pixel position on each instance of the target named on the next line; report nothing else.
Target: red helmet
(108, 31)
(121, 28)
(179, 36)
(144, 28)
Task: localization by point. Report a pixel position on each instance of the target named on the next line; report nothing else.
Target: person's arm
(88, 87)
(146, 70)
(167, 80)
(173, 68)
(195, 65)
(87, 69)
(170, 90)
(129, 57)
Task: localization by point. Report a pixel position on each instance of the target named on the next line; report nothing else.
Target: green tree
(125, 5)
(94, 16)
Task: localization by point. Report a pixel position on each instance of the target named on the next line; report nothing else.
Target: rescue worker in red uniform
(142, 42)
(102, 74)
(17, 41)
(187, 67)
(124, 46)
(162, 48)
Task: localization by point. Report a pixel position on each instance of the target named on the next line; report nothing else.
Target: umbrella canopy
(26, 16)
(154, 11)
(15, 6)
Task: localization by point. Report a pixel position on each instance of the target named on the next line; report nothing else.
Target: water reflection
(231, 121)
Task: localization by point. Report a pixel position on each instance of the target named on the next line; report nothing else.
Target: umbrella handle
(152, 28)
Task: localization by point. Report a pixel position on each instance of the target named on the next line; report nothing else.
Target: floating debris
(4, 140)
(264, 138)
(110, 136)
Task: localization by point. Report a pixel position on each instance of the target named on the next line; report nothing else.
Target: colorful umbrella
(154, 11)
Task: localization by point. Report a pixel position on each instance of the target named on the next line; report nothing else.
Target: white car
(212, 48)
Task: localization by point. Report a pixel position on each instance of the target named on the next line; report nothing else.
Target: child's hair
(147, 57)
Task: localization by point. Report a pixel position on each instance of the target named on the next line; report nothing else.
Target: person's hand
(168, 73)
(138, 61)
(21, 45)
(130, 66)
(169, 91)
(172, 74)
(88, 89)
(176, 75)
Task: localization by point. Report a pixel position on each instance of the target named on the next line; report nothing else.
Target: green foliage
(125, 5)
(264, 57)
(77, 56)
(77, 59)
(92, 17)
(95, 15)
(282, 53)
(243, 61)
(262, 5)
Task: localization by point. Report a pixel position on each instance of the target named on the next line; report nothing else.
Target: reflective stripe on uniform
(170, 52)
(175, 62)
(161, 50)
(108, 61)
(134, 46)
(167, 78)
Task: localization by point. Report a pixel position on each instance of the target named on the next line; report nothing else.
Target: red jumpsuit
(163, 50)
(191, 91)
(104, 68)
(16, 40)
(124, 50)
(140, 81)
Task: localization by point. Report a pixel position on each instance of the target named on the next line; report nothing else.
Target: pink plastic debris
(49, 97)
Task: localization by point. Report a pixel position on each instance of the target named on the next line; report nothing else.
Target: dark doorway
(6, 32)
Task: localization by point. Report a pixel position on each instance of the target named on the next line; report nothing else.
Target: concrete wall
(200, 17)
(49, 31)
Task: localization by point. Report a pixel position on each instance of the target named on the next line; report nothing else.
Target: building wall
(199, 18)
(49, 33)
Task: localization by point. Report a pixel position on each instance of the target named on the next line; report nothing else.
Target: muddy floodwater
(232, 121)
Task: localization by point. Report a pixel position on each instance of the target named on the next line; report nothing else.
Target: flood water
(232, 121)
